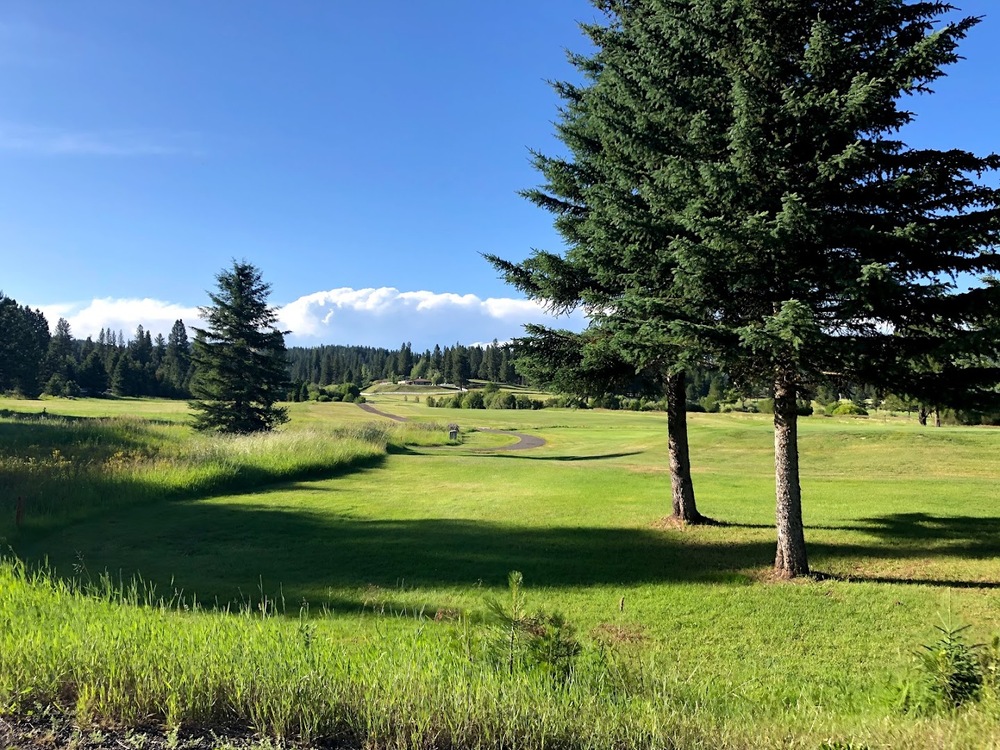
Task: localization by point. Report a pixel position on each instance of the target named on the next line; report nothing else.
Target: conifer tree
(24, 340)
(241, 371)
(828, 244)
(737, 191)
(620, 217)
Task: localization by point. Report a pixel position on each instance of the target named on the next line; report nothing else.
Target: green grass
(703, 648)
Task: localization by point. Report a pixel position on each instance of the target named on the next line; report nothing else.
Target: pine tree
(241, 371)
(24, 340)
(621, 218)
(737, 194)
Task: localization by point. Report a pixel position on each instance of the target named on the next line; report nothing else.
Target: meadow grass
(66, 464)
(686, 642)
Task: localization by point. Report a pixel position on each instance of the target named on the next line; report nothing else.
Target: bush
(848, 409)
(431, 402)
(694, 408)
(502, 401)
(324, 398)
(473, 400)
(951, 668)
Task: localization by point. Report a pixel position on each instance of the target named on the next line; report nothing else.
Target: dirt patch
(611, 633)
(672, 522)
(51, 730)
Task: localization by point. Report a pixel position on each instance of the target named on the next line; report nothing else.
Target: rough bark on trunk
(681, 488)
(937, 416)
(790, 560)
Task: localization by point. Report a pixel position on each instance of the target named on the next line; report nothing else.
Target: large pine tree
(239, 357)
(635, 131)
(829, 244)
(737, 191)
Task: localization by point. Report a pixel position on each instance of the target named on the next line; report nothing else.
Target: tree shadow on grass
(232, 551)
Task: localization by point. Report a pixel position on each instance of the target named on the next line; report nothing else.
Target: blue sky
(361, 154)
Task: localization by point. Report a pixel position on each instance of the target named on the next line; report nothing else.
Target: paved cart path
(524, 442)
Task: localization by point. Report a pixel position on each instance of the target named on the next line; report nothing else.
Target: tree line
(34, 360)
(458, 364)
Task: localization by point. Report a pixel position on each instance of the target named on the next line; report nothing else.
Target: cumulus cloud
(386, 317)
(382, 316)
(88, 318)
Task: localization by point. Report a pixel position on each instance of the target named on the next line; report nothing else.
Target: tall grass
(65, 469)
(112, 655)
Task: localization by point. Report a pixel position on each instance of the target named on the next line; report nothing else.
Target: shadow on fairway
(231, 553)
(982, 532)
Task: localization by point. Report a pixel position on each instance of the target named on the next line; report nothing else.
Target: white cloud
(374, 317)
(386, 317)
(87, 319)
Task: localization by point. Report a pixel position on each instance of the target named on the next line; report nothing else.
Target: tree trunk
(790, 560)
(922, 416)
(937, 416)
(681, 487)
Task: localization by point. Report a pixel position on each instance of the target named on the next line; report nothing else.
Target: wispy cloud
(381, 316)
(111, 143)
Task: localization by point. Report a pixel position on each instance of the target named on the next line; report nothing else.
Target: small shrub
(542, 641)
(849, 409)
(324, 398)
(431, 402)
(951, 673)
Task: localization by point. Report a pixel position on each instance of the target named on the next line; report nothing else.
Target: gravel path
(524, 442)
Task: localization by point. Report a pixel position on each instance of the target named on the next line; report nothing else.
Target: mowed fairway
(901, 520)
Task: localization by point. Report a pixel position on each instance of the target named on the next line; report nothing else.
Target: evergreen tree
(91, 375)
(621, 218)
(737, 193)
(177, 360)
(127, 377)
(59, 358)
(24, 341)
(828, 244)
(239, 357)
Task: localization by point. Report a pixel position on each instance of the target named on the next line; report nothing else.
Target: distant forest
(34, 361)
